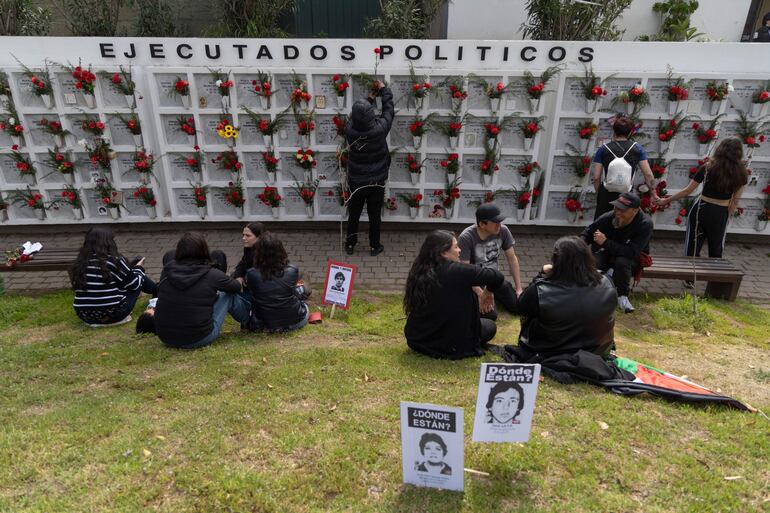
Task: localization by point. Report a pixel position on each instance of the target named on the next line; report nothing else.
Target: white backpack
(619, 172)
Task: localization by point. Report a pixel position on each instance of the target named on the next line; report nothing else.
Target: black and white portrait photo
(433, 451)
(339, 282)
(504, 403)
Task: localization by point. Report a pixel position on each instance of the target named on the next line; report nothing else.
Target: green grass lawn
(108, 421)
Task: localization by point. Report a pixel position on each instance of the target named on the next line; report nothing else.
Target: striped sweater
(101, 295)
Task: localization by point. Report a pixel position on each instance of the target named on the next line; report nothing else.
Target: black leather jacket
(275, 301)
(568, 317)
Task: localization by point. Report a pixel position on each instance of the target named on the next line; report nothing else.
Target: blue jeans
(258, 325)
(231, 303)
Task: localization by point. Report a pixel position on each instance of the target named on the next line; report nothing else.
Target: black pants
(374, 197)
(712, 225)
(506, 297)
(488, 330)
(603, 198)
(623, 269)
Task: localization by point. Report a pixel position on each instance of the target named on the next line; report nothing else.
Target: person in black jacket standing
(762, 35)
(368, 164)
(617, 239)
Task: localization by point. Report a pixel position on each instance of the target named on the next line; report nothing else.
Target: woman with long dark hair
(106, 286)
(442, 309)
(723, 177)
(250, 235)
(276, 301)
(194, 296)
(569, 306)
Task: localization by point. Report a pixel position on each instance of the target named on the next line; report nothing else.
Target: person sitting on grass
(443, 318)
(250, 236)
(276, 287)
(569, 306)
(106, 286)
(194, 296)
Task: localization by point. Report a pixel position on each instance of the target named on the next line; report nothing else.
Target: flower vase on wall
(533, 212)
(138, 140)
(486, 180)
(69, 178)
(264, 102)
(416, 142)
(413, 212)
(340, 102)
(672, 107)
(239, 209)
(716, 107)
(40, 214)
(534, 105)
(630, 108)
(276, 211)
(46, 98)
(454, 141)
(90, 100)
(130, 101)
(59, 141)
(450, 177)
(448, 211)
(528, 143)
(77, 214)
(761, 225)
(268, 140)
(457, 103)
(151, 211)
(144, 178)
(202, 211)
(590, 105)
(494, 105)
(308, 176)
(703, 149)
(3, 215)
(16, 140)
(226, 102)
(114, 212)
(520, 214)
(272, 176)
(572, 216)
(415, 177)
(185, 101)
(418, 103)
(309, 211)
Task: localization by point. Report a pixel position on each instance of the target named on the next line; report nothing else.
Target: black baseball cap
(626, 200)
(489, 212)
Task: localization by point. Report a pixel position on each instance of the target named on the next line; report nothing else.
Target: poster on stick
(505, 402)
(338, 286)
(432, 445)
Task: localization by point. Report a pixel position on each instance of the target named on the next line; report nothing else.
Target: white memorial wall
(156, 64)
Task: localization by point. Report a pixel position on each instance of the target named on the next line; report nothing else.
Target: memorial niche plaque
(219, 205)
(255, 167)
(434, 173)
(32, 129)
(67, 86)
(678, 173)
(254, 206)
(562, 172)
(245, 92)
(328, 202)
(121, 135)
(401, 86)
(293, 204)
(185, 202)
(75, 123)
(567, 133)
(614, 87)
(165, 83)
(574, 99)
(555, 207)
(290, 171)
(328, 167)
(126, 168)
(517, 99)
(399, 170)
(472, 169)
(740, 98)
(436, 138)
(25, 86)
(326, 130)
(208, 90)
(752, 207)
(8, 168)
(207, 130)
(134, 207)
(728, 129)
(249, 134)
(358, 91)
(403, 208)
(657, 88)
(441, 97)
(760, 176)
(477, 128)
(283, 85)
(468, 202)
(477, 96)
(288, 134)
(322, 85)
(509, 170)
(179, 170)
(95, 204)
(112, 98)
(400, 135)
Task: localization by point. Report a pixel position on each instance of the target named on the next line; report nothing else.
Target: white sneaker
(122, 321)
(624, 304)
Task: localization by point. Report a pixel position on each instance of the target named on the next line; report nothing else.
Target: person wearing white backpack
(615, 164)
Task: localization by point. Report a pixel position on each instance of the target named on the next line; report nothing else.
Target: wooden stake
(331, 315)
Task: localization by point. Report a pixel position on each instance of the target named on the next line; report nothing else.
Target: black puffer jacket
(369, 157)
(186, 295)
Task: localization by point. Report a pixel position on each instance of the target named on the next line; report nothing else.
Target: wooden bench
(724, 279)
(47, 259)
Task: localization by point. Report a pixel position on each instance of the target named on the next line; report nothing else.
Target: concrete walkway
(310, 245)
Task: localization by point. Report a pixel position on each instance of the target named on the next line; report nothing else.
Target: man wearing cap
(481, 244)
(617, 239)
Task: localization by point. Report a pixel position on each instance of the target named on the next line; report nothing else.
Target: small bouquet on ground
(93, 127)
(101, 153)
(143, 163)
(228, 160)
(181, 89)
(536, 86)
(59, 161)
(340, 83)
(270, 197)
(340, 122)
(23, 164)
(415, 167)
(223, 84)
(528, 168)
(529, 127)
(122, 83)
(234, 196)
(749, 132)
(456, 91)
(194, 162)
(658, 167)
(635, 99)
(147, 197)
(592, 89)
(759, 101)
(420, 89)
(452, 165)
(29, 199)
(300, 93)
(263, 87)
(55, 129)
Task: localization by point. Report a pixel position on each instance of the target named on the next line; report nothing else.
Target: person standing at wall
(762, 35)
(724, 178)
(622, 147)
(368, 163)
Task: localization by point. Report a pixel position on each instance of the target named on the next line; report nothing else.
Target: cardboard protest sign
(432, 445)
(338, 286)
(505, 402)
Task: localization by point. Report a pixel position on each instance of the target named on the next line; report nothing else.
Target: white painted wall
(502, 19)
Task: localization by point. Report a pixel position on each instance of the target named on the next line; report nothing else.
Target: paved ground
(310, 247)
